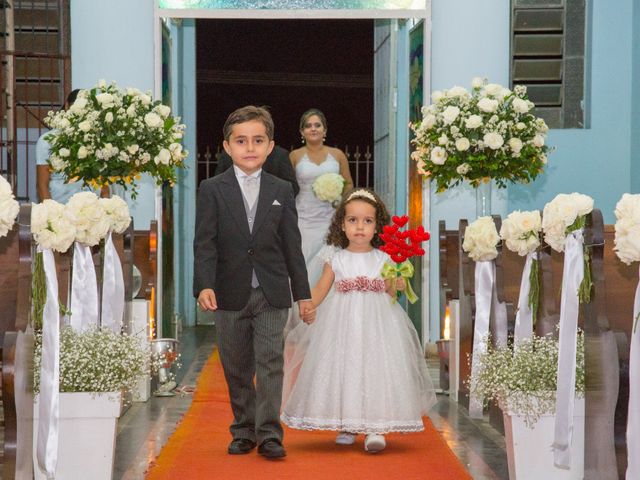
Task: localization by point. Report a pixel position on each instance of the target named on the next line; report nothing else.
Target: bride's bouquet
(328, 187)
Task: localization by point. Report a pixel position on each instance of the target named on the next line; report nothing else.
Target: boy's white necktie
(251, 188)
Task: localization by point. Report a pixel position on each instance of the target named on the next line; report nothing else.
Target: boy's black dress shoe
(240, 446)
(272, 448)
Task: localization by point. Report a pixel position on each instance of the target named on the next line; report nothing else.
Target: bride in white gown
(314, 216)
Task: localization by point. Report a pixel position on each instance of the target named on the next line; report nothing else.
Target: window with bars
(548, 57)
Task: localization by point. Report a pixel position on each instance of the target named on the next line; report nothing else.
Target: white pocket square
(276, 202)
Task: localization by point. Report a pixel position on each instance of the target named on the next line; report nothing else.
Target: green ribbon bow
(404, 270)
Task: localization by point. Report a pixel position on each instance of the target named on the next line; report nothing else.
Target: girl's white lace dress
(359, 367)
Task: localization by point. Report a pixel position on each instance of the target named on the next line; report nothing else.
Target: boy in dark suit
(247, 252)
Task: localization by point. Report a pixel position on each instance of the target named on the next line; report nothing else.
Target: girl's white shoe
(374, 443)
(345, 438)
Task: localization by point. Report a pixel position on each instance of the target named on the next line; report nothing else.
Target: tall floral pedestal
(529, 452)
(87, 436)
(483, 199)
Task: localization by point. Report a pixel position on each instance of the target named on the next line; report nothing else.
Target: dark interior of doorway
(290, 66)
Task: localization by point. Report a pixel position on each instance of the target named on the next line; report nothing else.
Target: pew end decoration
(627, 248)
(112, 136)
(478, 136)
(563, 222)
(401, 245)
(9, 207)
(520, 232)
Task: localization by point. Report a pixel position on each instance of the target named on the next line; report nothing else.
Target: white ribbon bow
(112, 288)
(486, 303)
(84, 289)
(524, 317)
(633, 418)
(48, 406)
(572, 275)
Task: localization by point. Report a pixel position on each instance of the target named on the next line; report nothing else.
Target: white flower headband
(362, 193)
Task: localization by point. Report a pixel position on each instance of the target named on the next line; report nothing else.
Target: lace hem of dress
(351, 426)
(360, 284)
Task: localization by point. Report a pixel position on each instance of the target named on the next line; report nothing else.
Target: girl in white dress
(359, 368)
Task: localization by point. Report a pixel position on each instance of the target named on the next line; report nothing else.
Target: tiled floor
(145, 427)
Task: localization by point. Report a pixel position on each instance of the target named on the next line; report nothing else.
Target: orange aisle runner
(198, 448)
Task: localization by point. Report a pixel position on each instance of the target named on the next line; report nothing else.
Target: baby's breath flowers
(524, 380)
(96, 360)
(112, 136)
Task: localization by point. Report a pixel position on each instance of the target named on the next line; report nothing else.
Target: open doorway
(290, 66)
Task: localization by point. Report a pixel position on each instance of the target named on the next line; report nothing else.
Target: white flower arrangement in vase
(112, 136)
(9, 207)
(520, 232)
(480, 239)
(488, 133)
(564, 214)
(328, 187)
(524, 380)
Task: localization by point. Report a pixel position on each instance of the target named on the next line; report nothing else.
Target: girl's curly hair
(336, 235)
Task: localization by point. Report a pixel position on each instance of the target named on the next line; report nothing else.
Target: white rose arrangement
(92, 223)
(627, 228)
(328, 187)
(488, 133)
(9, 207)
(117, 212)
(112, 136)
(52, 226)
(480, 239)
(520, 232)
(564, 214)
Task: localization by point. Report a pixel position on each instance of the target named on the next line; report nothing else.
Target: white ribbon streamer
(112, 288)
(524, 317)
(633, 417)
(572, 275)
(84, 289)
(48, 405)
(484, 286)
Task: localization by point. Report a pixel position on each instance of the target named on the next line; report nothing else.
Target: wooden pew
(466, 269)
(17, 356)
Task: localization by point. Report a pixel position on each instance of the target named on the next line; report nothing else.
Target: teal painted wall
(114, 41)
(184, 199)
(597, 161)
(635, 101)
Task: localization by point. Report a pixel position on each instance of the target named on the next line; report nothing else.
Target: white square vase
(529, 451)
(87, 436)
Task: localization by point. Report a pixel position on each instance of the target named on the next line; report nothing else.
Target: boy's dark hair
(71, 98)
(247, 114)
(336, 235)
(310, 113)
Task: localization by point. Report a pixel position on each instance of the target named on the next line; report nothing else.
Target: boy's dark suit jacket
(277, 164)
(226, 252)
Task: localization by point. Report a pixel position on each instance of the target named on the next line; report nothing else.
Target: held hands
(307, 311)
(207, 300)
(400, 284)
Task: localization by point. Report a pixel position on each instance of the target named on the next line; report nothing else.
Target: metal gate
(35, 78)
